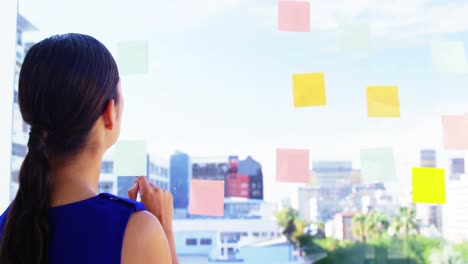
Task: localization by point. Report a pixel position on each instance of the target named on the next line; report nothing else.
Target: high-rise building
(429, 214)
(158, 172)
(457, 168)
(20, 129)
(332, 173)
(180, 175)
(242, 179)
(455, 214)
(250, 178)
(428, 158)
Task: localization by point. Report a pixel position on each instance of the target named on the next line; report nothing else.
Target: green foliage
(405, 222)
(293, 227)
(462, 248)
(446, 255)
(415, 250)
(369, 226)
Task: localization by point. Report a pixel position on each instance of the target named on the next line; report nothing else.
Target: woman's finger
(133, 192)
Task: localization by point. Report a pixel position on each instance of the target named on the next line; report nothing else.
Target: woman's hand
(156, 200)
(160, 203)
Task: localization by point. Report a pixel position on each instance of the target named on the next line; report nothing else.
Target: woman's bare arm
(145, 241)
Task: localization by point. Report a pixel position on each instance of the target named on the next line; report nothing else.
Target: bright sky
(220, 76)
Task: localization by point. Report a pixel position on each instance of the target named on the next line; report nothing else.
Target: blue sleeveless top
(89, 231)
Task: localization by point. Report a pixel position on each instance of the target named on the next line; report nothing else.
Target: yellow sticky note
(309, 89)
(428, 185)
(383, 101)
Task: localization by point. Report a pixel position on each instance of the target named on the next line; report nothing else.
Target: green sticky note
(355, 37)
(130, 158)
(377, 165)
(428, 185)
(449, 57)
(133, 57)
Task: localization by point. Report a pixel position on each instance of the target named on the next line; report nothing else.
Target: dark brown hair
(65, 83)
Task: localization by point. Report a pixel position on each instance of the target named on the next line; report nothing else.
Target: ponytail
(65, 83)
(26, 233)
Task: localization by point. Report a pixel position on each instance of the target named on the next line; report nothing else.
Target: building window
(255, 234)
(107, 166)
(191, 242)
(25, 127)
(15, 97)
(19, 150)
(264, 234)
(205, 241)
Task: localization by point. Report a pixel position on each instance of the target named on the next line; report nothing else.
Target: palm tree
(377, 224)
(405, 221)
(359, 227)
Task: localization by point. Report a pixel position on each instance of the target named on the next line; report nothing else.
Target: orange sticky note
(428, 185)
(383, 101)
(309, 89)
(294, 16)
(455, 129)
(206, 198)
(292, 165)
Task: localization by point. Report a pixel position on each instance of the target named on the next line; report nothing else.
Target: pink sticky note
(455, 132)
(207, 198)
(293, 16)
(292, 165)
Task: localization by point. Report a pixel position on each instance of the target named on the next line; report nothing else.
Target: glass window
(19, 150)
(226, 76)
(191, 242)
(205, 241)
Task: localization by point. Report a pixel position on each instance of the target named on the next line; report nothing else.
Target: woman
(69, 93)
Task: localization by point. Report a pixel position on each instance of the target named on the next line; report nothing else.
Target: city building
(455, 214)
(428, 214)
(20, 129)
(428, 158)
(245, 178)
(180, 175)
(320, 204)
(457, 168)
(332, 173)
(245, 221)
(107, 179)
(158, 172)
(341, 226)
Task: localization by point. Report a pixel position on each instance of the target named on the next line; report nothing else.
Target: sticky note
(377, 165)
(355, 37)
(455, 131)
(309, 89)
(206, 197)
(383, 101)
(428, 185)
(130, 158)
(294, 16)
(449, 57)
(133, 57)
(292, 165)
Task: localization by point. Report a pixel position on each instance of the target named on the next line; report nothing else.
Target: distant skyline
(219, 80)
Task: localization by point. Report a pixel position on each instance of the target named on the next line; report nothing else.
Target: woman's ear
(110, 115)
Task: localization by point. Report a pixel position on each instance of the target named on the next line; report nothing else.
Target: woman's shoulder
(121, 201)
(145, 240)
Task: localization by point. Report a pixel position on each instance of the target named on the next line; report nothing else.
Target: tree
(359, 227)
(445, 255)
(369, 226)
(405, 222)
(376, 224)
(293, 227)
